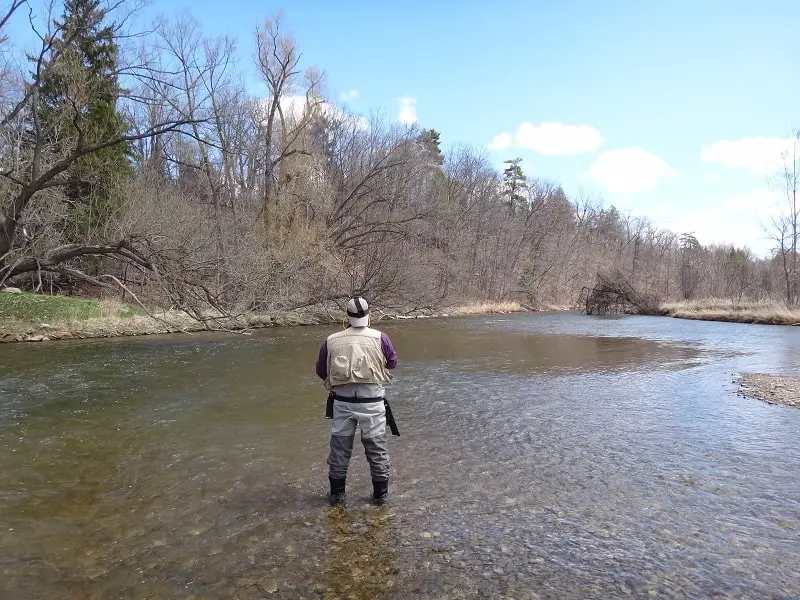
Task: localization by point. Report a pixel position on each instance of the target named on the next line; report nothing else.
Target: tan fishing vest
(355, 356)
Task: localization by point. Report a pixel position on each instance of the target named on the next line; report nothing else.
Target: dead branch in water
(612, 293)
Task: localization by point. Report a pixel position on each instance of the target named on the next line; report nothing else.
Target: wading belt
(389, 416)
(357, 400)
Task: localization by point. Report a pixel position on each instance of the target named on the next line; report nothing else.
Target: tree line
(141, 161)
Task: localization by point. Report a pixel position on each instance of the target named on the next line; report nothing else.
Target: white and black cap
(357, 312)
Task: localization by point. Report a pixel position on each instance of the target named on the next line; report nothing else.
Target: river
(548, 455)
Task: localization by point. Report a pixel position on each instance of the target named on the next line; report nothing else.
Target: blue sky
(676, 110)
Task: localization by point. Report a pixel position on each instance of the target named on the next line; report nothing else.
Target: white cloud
(501, 142)
(294, 108)
(558, 138)
(555, 139)
(763, 203)
(715, 226)
(349, 96)
(408, 110)
(629, 171)
(741, 220)
(757, 156)
(333, 111)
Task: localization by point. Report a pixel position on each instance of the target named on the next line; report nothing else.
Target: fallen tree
(612, 293)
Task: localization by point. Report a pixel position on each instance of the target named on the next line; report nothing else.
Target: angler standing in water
(354, 364)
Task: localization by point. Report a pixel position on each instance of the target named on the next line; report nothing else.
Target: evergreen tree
(514, 185)
(78, 105)
(431, 143)
(690, 250)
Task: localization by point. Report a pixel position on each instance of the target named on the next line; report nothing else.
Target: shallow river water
(541, 456)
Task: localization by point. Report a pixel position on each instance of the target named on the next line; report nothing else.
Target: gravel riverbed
(773, 389)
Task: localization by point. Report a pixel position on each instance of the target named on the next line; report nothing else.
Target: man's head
(357, 312)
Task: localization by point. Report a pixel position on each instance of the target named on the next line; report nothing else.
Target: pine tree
(79, 104)
(514, 183)
(430, 141)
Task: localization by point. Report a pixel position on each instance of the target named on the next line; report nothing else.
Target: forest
(138, 162)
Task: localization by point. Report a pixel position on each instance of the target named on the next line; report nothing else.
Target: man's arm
(388, 351)
(322, 361)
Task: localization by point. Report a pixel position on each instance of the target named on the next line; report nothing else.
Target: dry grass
(716, 309)
(556, 307)
(485, 308)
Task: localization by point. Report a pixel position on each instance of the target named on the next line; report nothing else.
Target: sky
(676, 110)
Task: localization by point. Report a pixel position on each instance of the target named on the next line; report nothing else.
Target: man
(353, 363)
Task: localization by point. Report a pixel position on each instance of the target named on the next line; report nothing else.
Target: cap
(358, 312)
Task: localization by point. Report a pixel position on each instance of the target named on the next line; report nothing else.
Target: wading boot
(337, 495)
(380, 492)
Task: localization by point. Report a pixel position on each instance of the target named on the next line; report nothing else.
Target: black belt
(389, 416)
(358, 400)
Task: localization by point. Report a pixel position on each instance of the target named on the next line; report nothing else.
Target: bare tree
(293, 102)
(202, 88)
(237, 202)
(37, 154)
(785, 232)
(375, 180)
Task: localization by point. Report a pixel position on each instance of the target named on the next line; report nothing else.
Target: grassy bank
(39, 317)
(26, 316)
(715, 309)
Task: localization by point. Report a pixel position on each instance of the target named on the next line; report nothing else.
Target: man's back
(354, 364)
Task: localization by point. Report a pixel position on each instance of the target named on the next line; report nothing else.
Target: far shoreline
(111, 319)
(729, 311)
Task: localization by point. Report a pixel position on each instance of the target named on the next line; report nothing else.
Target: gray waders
(370, 416)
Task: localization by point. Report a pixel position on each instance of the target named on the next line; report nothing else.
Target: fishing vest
(355, 355)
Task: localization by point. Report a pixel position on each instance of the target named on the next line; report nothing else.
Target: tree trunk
(8, 229)
(793, 293)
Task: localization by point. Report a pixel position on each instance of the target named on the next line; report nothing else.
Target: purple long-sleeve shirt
(386, 346)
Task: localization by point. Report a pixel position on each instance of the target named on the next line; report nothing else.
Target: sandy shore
(773, 389)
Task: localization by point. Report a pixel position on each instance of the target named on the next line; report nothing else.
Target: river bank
(716, 309)
(28, 317)
(772, 389)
